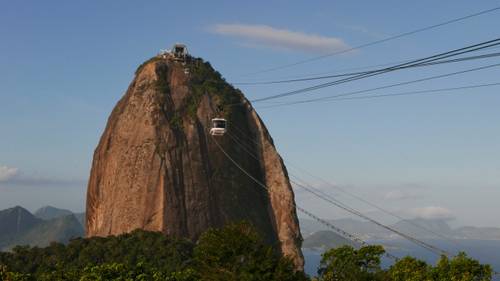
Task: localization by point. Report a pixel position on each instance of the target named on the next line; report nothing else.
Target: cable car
(219, 127)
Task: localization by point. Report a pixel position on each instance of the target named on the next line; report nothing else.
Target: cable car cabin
(219, 127)
(179, 51)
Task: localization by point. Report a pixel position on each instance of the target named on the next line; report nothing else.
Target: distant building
(179, 51)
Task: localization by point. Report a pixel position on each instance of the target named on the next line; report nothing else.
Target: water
(486, 251)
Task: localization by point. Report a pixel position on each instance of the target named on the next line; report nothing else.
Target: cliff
(157, 168)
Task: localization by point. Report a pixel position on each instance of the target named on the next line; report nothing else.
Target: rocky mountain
(49, 212)
(156, 166)
(325, 239)
(60, 229)
(19, 227)
(14, 222)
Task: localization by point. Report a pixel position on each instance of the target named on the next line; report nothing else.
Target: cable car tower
(179, 51)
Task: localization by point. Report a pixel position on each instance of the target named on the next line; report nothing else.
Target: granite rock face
(157, 168)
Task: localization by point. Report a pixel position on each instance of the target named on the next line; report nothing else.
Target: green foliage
(153, 250)
(6, 275)
(175, 121)
(161, 83)
(205, 80)
(346, 263)
(234, 252)
(409, 269)
(237, 252)
(461, 268)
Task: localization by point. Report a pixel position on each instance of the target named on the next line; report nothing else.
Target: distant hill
(49, 212)
(14, 222)
(325, 239)
(19, 227)
(363, 229)
(81, 219)
(425, 228)
(479, 233)
(42, 234)
(418, 227)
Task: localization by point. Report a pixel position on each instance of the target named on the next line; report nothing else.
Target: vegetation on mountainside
(205, 80)
(235, 252)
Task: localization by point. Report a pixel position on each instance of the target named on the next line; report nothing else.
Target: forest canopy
(234, 252)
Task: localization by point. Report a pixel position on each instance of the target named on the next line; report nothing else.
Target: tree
(346, 264)
(236, 252)
(153, 250)
(461, 268)
(6, 275)
(409, 269)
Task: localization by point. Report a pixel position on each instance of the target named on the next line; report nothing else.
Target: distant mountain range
(316, 234)
(20, 227)
(325, 239)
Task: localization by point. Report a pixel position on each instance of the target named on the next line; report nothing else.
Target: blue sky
(64, 65)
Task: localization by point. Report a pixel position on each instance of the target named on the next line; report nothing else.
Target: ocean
(486, 251)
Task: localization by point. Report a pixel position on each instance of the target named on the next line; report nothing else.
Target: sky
(65, 64)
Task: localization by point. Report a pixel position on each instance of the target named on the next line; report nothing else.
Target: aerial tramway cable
(483, 12)
(409, 93)
(246, 149)
(426, 60)
(326, 223)
(309, 214)
(346, 208)
(323, 77)
(333, 97)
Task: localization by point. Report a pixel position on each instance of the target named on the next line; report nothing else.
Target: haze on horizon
(64, 66)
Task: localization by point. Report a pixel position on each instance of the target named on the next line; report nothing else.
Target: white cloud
(432, 212)
(264, 35)
(6, 173)
(10, 176)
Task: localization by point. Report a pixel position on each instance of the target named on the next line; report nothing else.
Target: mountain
(81, 219)
(325, 239)
(14, 222)
(418, 227)
(60, 230)
(19, 227)
(157, 167)
(478, 233)
(425, 228)
(49, 212)
(362, 229)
